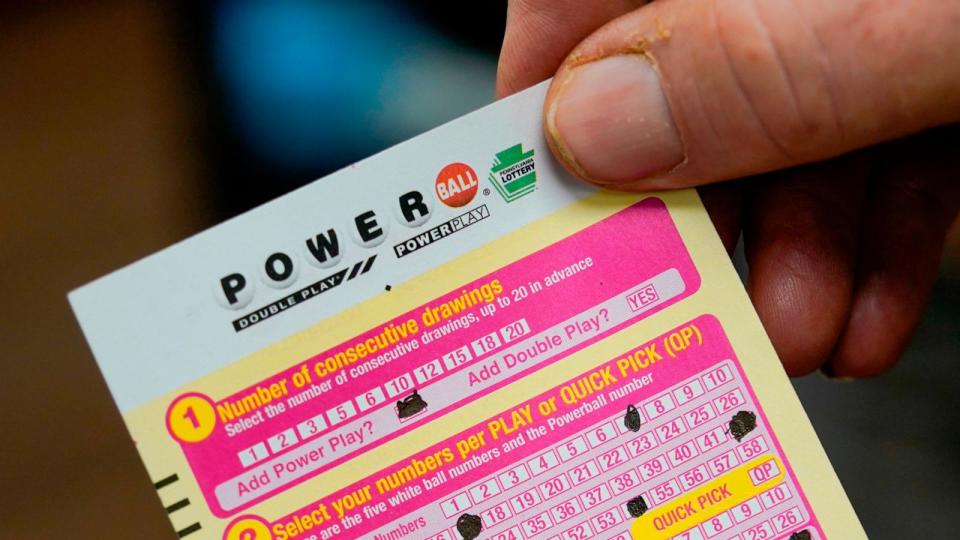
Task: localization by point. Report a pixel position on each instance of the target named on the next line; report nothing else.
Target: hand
(843, 230)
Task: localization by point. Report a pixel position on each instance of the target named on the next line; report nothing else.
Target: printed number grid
(578, 488)
(386, 393)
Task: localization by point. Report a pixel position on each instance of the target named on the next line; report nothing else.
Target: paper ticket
(454, 339)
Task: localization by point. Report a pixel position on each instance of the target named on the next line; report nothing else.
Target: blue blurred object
(310, 85)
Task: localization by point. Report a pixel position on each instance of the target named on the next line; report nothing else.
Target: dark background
(127, 125)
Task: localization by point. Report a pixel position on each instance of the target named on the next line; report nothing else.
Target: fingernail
(611, 121)
(827, 371)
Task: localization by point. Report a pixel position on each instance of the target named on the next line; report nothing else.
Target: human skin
(822, 130)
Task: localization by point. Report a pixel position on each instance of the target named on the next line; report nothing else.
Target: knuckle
(785, 84)
(920, 197)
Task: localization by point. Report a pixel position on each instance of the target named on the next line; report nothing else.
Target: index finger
(540, 34)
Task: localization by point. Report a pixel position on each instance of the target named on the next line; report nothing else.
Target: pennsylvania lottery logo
(514, 173)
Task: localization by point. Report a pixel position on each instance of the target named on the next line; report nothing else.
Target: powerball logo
(456, 185)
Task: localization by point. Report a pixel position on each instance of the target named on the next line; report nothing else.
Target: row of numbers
(767, 529)
(592, 454)
(399, 386)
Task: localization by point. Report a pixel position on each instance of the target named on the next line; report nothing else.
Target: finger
(912, 205)
(540, 34)
(724, 203)
(687, 92)
(800, 239)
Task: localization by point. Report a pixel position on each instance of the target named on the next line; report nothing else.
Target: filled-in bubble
(637, 506)
(742, 423)
(410, 405)
(469, 526)
(632, 419)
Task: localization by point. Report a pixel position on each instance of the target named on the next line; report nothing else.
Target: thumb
(684, 92)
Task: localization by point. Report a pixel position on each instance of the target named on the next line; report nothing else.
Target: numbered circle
(248, 528)
(191, 418)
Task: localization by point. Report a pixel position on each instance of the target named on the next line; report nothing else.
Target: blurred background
(127, 126)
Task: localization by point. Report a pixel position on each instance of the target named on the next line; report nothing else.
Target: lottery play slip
(456, 340)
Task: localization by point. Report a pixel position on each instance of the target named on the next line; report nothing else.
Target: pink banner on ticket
(366, 391)
(566, 463)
